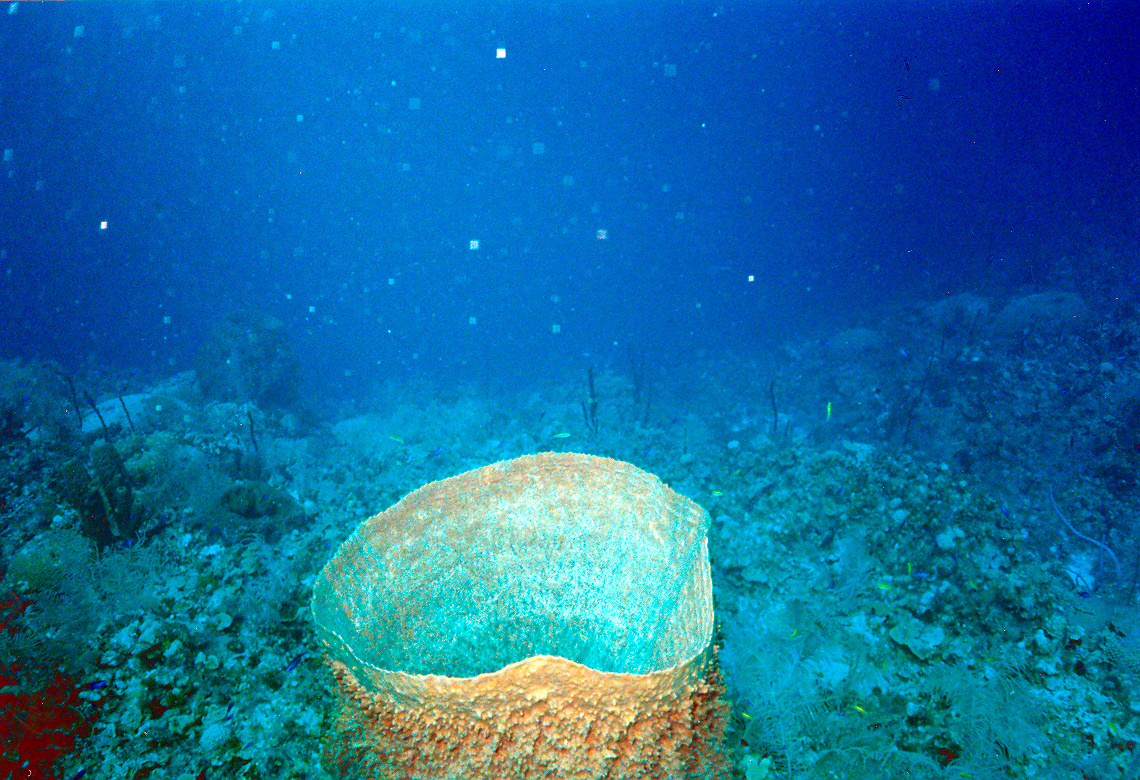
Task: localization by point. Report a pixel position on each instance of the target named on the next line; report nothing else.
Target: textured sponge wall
(544, 717)
(545, 617)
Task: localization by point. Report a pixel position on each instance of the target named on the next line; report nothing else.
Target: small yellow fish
(396, 439)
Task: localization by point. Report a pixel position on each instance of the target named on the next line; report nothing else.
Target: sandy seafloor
(896, 592)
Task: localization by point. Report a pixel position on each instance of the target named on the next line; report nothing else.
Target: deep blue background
(850, 157)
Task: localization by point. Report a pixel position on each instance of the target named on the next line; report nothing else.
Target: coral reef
(920, 613)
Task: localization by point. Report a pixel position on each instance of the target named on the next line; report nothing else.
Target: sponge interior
(568, 555)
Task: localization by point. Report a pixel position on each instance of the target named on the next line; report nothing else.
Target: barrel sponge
(544, 617)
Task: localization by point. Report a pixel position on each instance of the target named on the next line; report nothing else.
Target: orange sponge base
(544, 717)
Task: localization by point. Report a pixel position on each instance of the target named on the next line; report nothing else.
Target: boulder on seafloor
(1048, 312)
(248, 359)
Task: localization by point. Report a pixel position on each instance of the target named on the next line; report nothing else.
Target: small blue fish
(97, 685)
(293, 664)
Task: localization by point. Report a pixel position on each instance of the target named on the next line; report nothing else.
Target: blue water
(756, 170)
